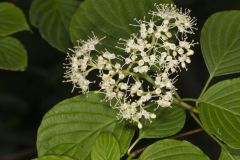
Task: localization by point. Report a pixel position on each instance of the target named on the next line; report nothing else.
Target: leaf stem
(131, 147)
(200, 124)
(212, 136)
(196, 119)
(187, 133)
(184, 105)
(205, 86)
(148, 78)
(217, 140)
(136, 152)
(189, 99)
(177, 95)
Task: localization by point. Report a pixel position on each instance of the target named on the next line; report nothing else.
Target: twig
(180, 103)
(196, 119)
(131, 147)
(205, 87)
(187, 133)
(189, 99)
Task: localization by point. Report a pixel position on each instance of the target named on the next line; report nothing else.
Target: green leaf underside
(13, 55)
(106, 148)
(12, 19)
(52, 18)
(230, 154)
(72, 127)
(220, 111)
(169, 149)
(220, 43)
(109, 19)
(54, 158)
(169, 121)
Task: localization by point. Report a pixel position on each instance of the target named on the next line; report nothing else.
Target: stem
(217, 140)
(184, 105)
(189, 99)
(200, 124)
(206, 85)
(149, 79)
(131, 147)
(177, 95)
(187, 133)
(196, 119)
(135, 153)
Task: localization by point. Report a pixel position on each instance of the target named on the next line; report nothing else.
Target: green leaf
(13, 55)
(12, 19)
(230, 154)
(110, 18)
(169, 121)
(124, 136)
(72, 127)
(169, 149)
(220, 43)
(220, 111)
(106, 148)
(54, 158)
(52, 18)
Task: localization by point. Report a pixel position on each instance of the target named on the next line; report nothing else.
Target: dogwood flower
(146, 73)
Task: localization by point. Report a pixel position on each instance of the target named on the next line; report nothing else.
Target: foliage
(172, 149)
(220, 43)
(13, 55)
(106, 18)
(54, 24)
(85, 127)
(105, 147)
(73, 126)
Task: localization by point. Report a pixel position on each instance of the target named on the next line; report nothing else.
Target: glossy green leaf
(169, 121)
(12, 19)
(13, 55)
(110, 19)
(230, 154)
(52, 18)
(169, 149)
(220, 43)
(72, 127)
(220, 111)
(106, 148)
(54, 158)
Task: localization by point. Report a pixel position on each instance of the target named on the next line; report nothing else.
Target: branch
(187, 133)
(182, 104)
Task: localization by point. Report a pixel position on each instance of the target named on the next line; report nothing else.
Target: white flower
(123, 86)
(79, 60)
(148, 70)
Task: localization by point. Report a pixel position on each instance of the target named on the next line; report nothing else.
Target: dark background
(26, 96)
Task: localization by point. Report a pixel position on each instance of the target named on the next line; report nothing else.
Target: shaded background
(26, 96)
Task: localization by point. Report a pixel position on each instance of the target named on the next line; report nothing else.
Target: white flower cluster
(78, 68)
(147, 73)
